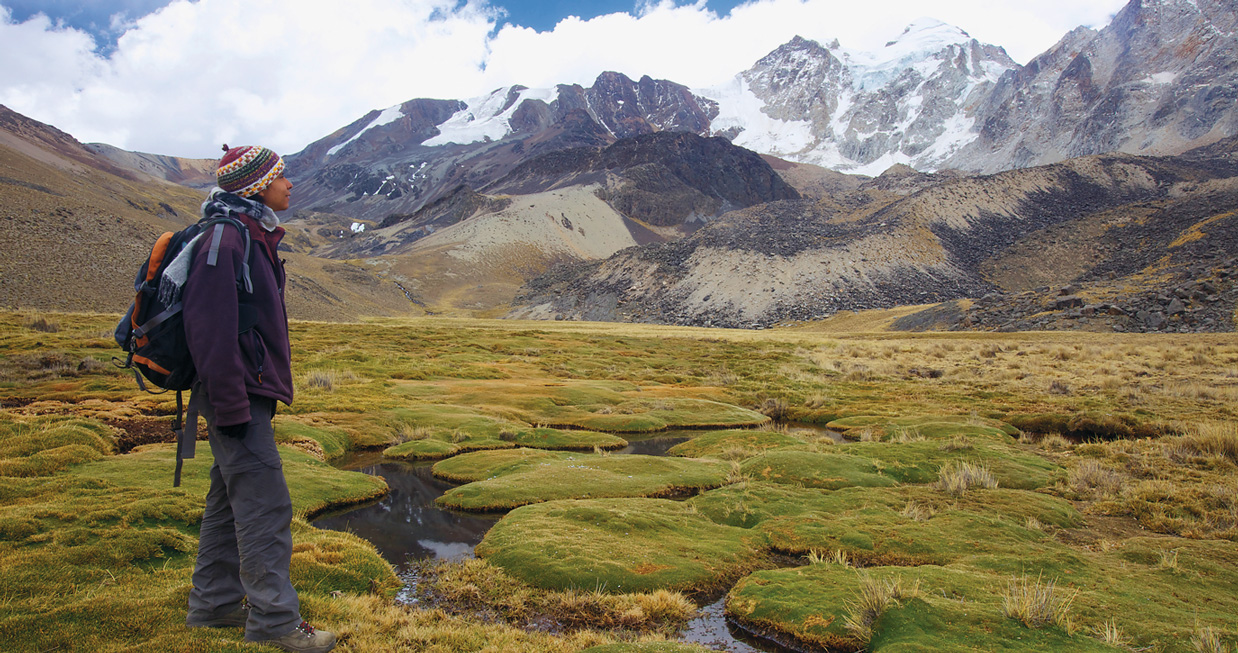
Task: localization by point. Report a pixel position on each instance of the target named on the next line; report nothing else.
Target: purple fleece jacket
(259, 361)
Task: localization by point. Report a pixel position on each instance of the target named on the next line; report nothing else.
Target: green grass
(582, 476)
(735, 444)
(480, 465)
(830, 471)
(441, 430)
(921, 462)
(1136, 525)
(619, 545)
(98, 556)
(954, 610)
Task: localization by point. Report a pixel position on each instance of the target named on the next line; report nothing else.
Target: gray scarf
(219, 202)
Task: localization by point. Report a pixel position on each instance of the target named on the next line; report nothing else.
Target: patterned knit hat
(247, 170)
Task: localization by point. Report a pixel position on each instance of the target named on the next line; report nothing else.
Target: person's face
(278, 195)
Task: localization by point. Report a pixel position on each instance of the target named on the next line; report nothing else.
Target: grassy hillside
(1021, 491)
(76, 233)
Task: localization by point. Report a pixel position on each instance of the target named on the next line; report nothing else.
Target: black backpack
(153, 330)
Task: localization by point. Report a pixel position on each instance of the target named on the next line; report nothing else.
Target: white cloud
(284, 73)
(195, 74)
(691, 45)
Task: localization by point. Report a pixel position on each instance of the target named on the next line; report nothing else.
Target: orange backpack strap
(156, 255)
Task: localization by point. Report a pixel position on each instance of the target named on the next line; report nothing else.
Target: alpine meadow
(900, 351)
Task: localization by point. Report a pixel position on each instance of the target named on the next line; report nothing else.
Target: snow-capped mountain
(399, 159)
(910, 103)
(1161, 78)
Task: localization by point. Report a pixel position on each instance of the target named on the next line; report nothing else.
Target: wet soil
(142, 430)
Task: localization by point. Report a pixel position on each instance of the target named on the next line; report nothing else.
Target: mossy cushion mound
(619, 545)
(581, 476)
(339, 562)
(1153, 591)
(314, 485)
(921, 462)
(480, 465)
(749, 504)
(734, 444)
(440, 431)
(332, 440)
(661, 414)
(45, 445)
(615, 407)
(928, 426)
(908, 525)
(880, 535)
(940, 609)
(830, 471)
(569, 440)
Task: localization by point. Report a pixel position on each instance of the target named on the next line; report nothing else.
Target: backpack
(152, 331)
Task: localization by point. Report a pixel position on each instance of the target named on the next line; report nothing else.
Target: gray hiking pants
(245, 544)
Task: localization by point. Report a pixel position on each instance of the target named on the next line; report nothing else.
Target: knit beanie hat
(247, 170)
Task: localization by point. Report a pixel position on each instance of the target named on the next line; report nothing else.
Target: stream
(407, 525)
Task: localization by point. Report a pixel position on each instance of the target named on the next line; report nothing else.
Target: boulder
(1068, 301)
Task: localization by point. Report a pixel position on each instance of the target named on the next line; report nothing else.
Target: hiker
(241, 576)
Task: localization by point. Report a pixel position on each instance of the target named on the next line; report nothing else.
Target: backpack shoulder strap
(212, 255)
(186, 431)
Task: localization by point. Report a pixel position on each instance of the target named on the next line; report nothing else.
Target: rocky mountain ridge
(863, 112)
(1160, 79)
(195, 173)
(403, 158)
(674, 227)
(1128, 229)
(637, 199)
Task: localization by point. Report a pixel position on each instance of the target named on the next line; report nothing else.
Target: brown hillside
(77, 227)
(1137, 233)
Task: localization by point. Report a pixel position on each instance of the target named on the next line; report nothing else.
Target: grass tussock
(43, 325)
(1208, 640)
(1215, 438)
(328, 379)
(1038, 603)
(1092, 477)
(917, 511)
(956, 478)
(873, 598)
(1112, 635)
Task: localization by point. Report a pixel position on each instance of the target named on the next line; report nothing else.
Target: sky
(182, 77)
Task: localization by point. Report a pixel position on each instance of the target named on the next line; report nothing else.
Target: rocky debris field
(1196, 299)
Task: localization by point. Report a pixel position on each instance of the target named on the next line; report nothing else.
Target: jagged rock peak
(797, 47)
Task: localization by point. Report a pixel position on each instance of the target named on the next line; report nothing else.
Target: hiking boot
(303, 639)
(233, 619)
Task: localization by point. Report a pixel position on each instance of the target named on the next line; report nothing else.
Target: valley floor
(1022, 491)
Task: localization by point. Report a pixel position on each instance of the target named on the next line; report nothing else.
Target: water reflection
(656, 445)
(714, 631)
(406, 523)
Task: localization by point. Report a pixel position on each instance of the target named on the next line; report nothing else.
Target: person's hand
(233, 431)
